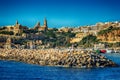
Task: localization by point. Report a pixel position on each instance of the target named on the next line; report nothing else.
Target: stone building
(17, 28)
(85, 29)
(30, 45)
(33, 44)
(99, 46)
(41, 28)
(8, 44)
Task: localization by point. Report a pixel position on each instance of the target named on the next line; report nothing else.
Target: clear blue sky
(58, 12)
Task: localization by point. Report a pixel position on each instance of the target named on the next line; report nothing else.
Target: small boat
(100, 51)
(103, 51)
(109, 51)
(117, 51)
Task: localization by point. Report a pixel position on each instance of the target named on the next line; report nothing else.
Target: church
(41, 28)
(17, 28)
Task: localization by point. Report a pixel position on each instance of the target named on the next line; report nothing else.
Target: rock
(54, 58)
(97, 64)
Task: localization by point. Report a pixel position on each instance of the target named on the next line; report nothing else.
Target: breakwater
(56, 57)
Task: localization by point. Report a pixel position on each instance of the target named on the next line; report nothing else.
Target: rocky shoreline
(53, 57)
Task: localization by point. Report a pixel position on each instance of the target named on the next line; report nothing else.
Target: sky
(58, 13)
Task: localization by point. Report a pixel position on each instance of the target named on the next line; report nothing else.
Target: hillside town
(41, 36)
(65, 47)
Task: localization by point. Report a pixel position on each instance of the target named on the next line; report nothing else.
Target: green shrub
(110, 29)
(89, 40)
(7, 32)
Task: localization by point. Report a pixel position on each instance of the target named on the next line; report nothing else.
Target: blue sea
(11, 70)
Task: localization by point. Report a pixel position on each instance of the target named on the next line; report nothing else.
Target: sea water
(11, 70)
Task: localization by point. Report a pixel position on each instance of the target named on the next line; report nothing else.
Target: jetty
(57, 57)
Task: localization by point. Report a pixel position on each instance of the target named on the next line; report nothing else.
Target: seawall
(56, 57)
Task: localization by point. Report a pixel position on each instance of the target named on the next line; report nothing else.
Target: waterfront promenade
(57, 57)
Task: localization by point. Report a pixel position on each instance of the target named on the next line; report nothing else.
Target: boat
(103, 51)
(109, 50)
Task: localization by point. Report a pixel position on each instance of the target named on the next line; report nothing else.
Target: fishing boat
(109, 50)
(103, 51)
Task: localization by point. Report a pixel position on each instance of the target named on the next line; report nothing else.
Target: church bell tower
(45, 23)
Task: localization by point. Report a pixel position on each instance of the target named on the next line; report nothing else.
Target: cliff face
(78, 37)
(110, 37)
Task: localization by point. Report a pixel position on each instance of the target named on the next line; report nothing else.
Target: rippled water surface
(11, 70)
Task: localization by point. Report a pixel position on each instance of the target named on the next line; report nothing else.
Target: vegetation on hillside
(2, 28)
(58, 39)
(88, 41)
(7, 32)
(30, 31)
(54, 38)
(19, 41)
(110, 29)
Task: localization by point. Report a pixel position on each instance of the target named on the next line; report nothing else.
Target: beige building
(17, 28)
(65, 29)
(41, 28)
(8, 44)
(34, 44)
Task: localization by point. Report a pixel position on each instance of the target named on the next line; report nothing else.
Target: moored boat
(109, 50)
(103, 51)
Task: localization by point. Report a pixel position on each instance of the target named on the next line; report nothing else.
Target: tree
(30, 31)
(7, 32)
(88, 41)
(58, 39)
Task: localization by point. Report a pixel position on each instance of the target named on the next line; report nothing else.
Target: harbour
(17, 70)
